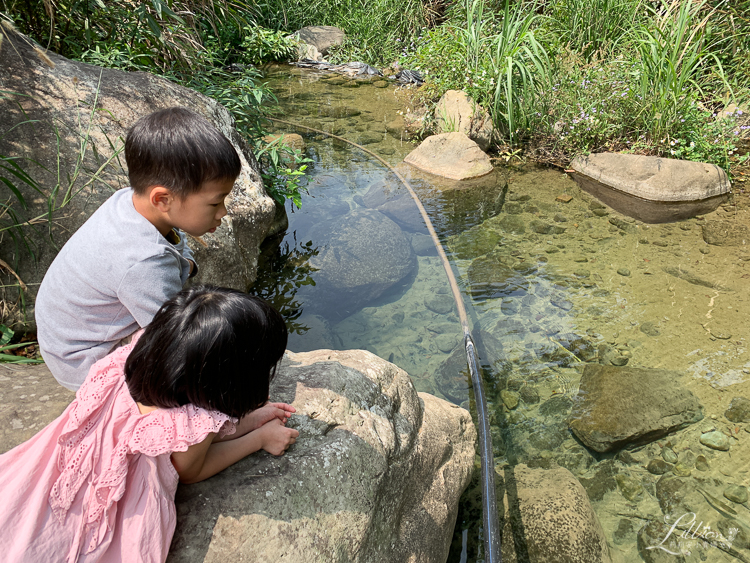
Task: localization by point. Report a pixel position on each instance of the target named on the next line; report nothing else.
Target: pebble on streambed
(715, 440)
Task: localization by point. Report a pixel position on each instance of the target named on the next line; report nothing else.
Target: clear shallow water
(549, 285)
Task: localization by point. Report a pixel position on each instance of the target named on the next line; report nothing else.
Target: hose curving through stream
(489, 501)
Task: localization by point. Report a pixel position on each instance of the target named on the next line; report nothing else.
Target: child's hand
(267, 412)
(275, 437)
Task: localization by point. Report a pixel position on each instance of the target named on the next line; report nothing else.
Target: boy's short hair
(180, 150)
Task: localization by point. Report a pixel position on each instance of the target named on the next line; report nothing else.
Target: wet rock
(560, 302)
(684, 274)
(509, 398)
(456, 111)
(623, 272)
(649, 329)
(489, 278)
(558, 405)
(739, 410)
(726, 233)
(446, 342)
(611, 410)
(512, 224)
(623, 225)
(619, 360)
(668, 455)
(451, 155)
(364, 254)
(678, 495)
(440, 304)
(701, 463)
(629, 486)
(543, 228)
(658, 467)
(657, 533)
(602, 481)
(626, 457)
(560, 218)
(338, 112)
(474, 242)
(452, 377)
(423, 245)
(549, 514)
(715, 440)
(600, 212)
(681, 470)
(529, 395)
(736, 493)
(625, 529)
(369, 138)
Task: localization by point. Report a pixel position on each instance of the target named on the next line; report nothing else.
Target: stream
(552, 280)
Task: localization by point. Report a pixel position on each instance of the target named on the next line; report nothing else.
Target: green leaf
(5, 335)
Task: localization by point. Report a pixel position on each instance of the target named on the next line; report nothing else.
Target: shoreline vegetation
(560, 78)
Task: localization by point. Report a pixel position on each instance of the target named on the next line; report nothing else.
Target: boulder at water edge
(361, 255)
(456, 111)
(375, 474)
(316, 40)
(548, 517)
(652, 189)
(451, 155)
(53, 99)
(617, 406)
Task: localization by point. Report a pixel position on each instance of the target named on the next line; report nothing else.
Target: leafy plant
(6, 335)
(520, 66)
(261, 45)
(674, 65)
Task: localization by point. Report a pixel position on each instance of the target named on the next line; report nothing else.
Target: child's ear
(161, 198)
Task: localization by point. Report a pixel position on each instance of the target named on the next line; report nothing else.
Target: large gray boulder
(617, 406)
(548, 517)
(87, 110)
(375, 475)
(650, 188)
(451, 155)
(362, 255)
(316, 40)
(456, 111)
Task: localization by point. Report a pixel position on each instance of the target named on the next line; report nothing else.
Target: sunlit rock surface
(548, 517)
(451, 155)
(650, 188)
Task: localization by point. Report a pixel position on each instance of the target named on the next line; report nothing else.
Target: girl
(184, 401)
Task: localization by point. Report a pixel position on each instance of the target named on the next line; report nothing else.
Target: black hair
(180, 150)
(213, 347)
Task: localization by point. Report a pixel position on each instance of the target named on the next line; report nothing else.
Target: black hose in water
(489, 500)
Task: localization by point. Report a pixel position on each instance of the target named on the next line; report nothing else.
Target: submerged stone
(715, 440)
(612, 410)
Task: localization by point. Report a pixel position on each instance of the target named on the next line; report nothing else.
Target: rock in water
(451, 155)
(550, 516)
(363, 254)
(652, 189)
(611, 409)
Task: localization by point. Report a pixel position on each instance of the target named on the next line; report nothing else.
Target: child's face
(201, 212)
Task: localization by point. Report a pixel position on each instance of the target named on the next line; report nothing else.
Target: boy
(130, 256)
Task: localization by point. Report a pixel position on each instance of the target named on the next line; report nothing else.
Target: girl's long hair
(214, 347)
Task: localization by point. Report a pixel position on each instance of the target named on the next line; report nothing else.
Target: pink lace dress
(98, 484)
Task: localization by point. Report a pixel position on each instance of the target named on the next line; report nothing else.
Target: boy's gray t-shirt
(108, 281)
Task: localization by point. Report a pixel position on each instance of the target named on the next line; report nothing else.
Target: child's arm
(258, 418)
(207, 458)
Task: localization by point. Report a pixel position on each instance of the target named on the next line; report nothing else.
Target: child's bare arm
(207, 458)
(258, 418)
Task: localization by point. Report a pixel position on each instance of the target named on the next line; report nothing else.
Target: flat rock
(726, 233)
(548, 513)
(451, 155)
(611, 410)
(456, 111)
(652, 189)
